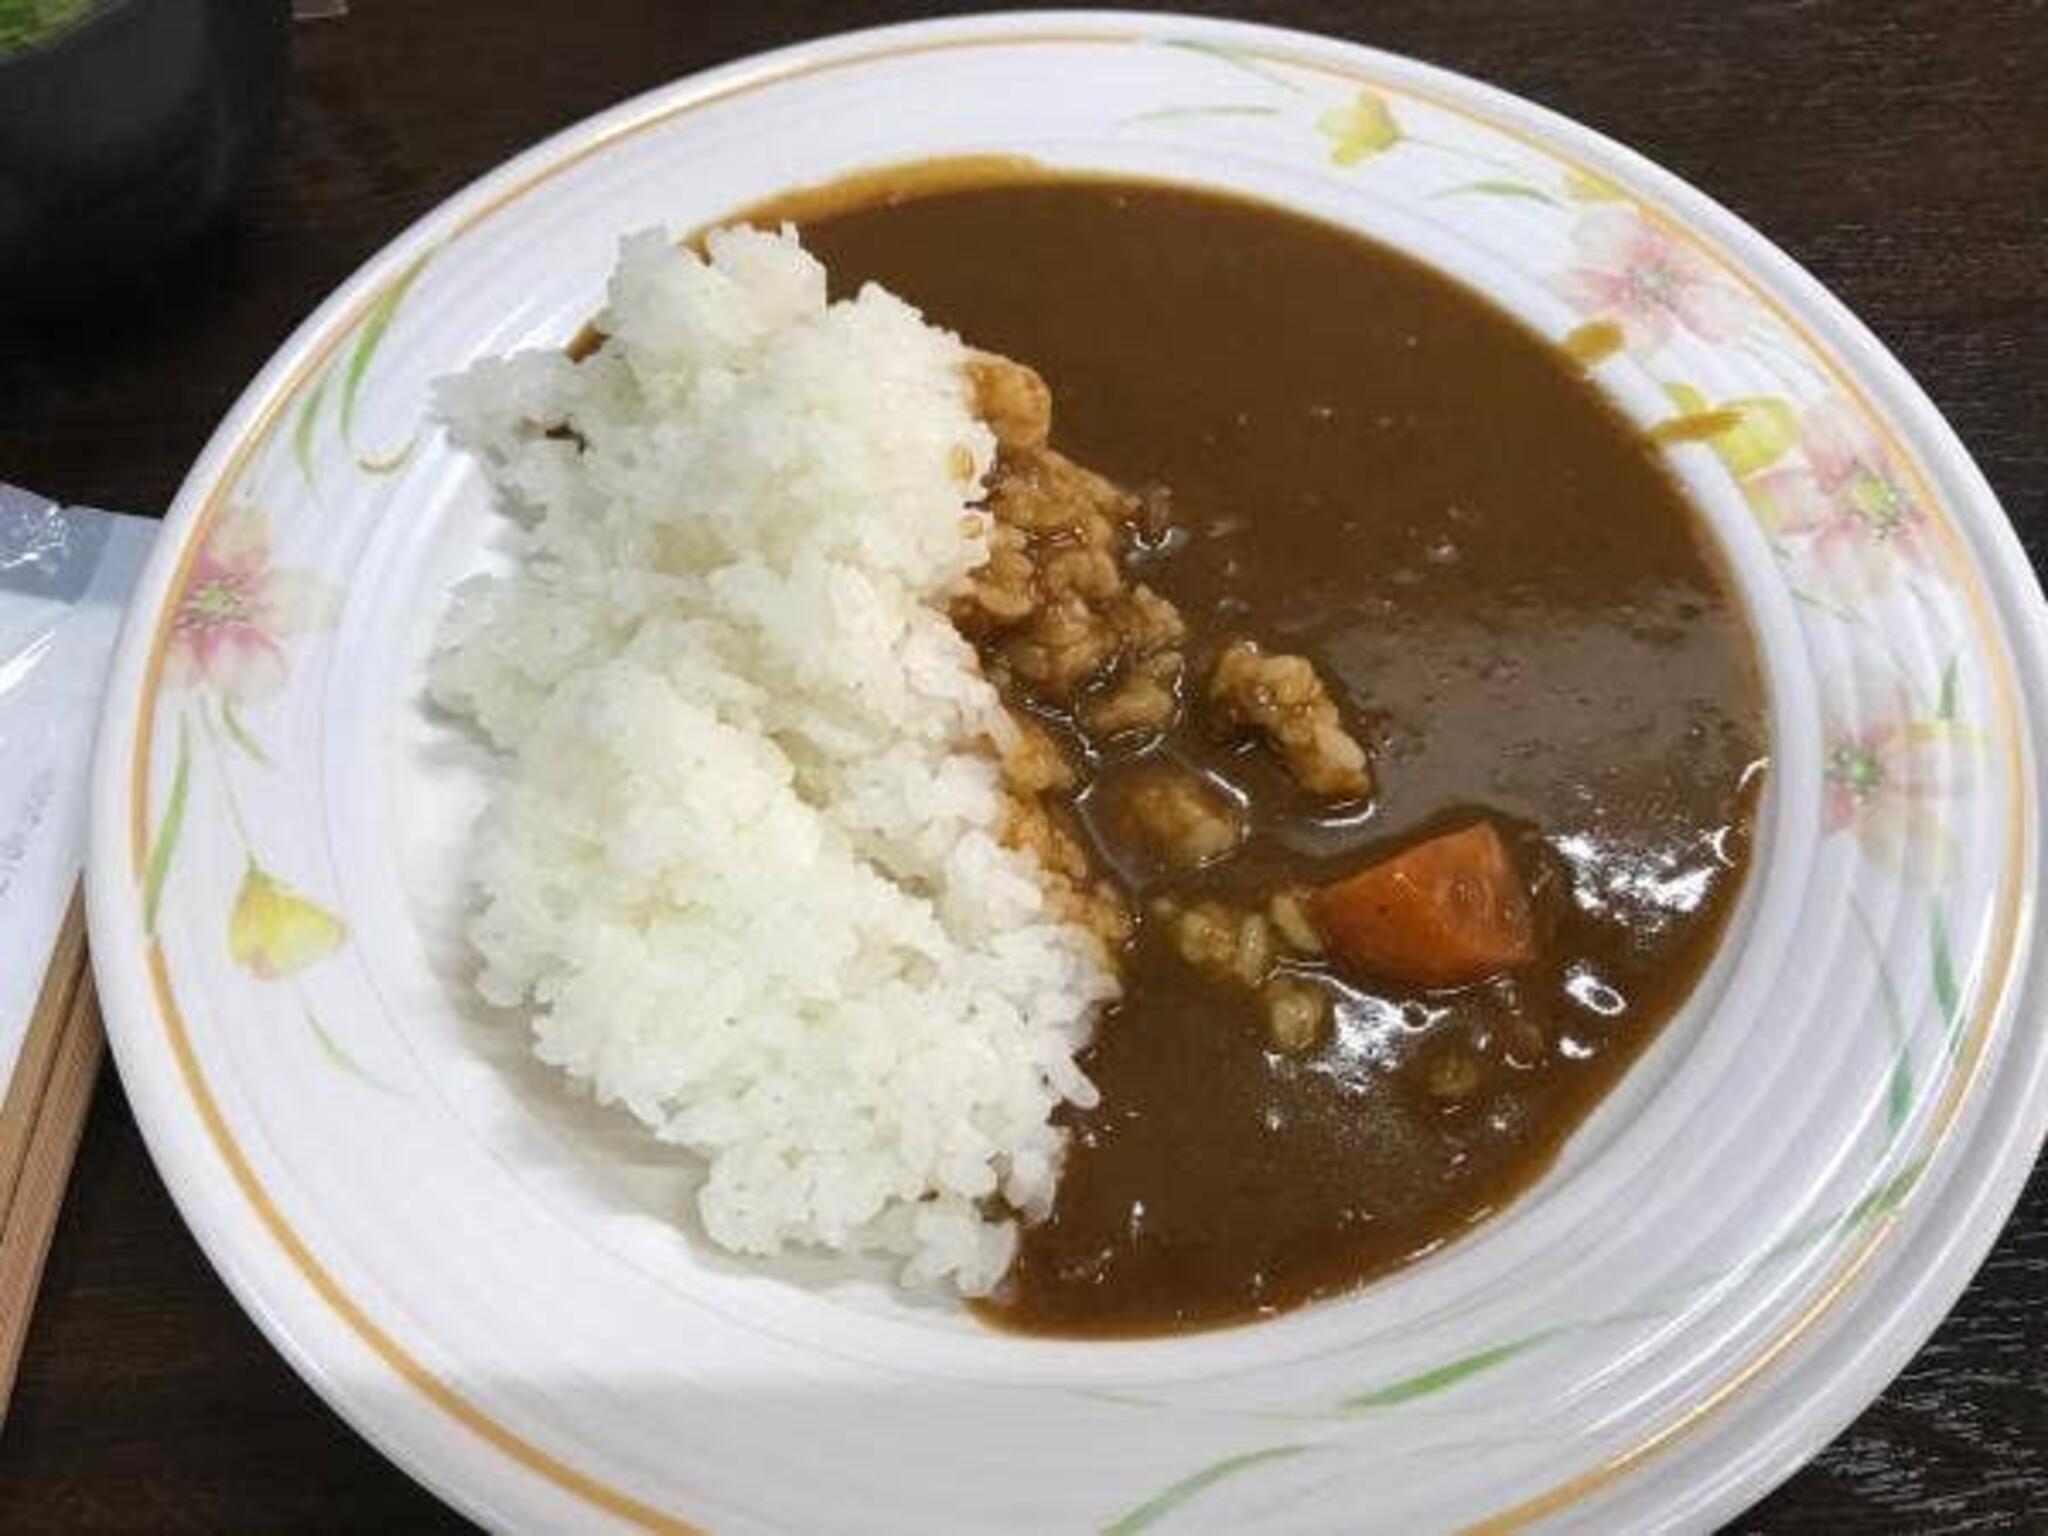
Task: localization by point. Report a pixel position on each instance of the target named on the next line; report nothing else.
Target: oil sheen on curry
(1388, 714)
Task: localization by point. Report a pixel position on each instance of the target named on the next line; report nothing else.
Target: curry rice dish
(1377, 711)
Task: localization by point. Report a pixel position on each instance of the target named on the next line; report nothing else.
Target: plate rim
(216, 1211)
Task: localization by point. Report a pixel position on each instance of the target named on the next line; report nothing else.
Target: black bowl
(124, 135)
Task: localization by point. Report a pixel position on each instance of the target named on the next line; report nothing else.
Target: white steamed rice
(742, 865)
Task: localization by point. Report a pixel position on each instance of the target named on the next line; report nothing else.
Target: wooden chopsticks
(41, 1119)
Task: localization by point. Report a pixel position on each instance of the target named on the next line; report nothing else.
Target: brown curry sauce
(1517, 611)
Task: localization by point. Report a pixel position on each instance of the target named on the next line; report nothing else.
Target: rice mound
(743, 863)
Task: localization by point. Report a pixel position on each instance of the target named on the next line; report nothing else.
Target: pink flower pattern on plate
(235, 610)
(1848, 501)
(1886, 781)
(1633, 273)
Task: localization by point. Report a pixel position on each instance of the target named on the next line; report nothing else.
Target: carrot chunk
(1443, 913)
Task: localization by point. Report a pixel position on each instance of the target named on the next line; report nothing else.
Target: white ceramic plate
(483, 1275)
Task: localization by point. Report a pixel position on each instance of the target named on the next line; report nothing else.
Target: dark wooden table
(1899, 151)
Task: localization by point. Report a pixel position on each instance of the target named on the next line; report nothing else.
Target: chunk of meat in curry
(1283, 700)
(1178, 816)
(1251, 951)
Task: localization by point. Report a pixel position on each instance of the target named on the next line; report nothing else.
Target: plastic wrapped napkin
(65, 576)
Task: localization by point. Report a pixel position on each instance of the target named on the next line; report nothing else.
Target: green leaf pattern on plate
(368, 339)
(1217, 109)
(1948, 994)
(240, 734)
(1498, 188)
(307, 425)
(1237, 58)
(354, 373)
(1441, 1378)
(1174, 1495)
(165, 844)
